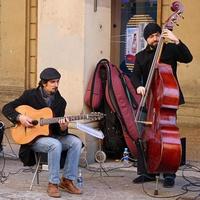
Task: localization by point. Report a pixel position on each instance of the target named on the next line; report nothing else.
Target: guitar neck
(56, 119)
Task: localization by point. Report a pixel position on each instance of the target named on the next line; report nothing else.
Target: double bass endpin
(156, 190)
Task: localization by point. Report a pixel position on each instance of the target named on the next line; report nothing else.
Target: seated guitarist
(47, 95)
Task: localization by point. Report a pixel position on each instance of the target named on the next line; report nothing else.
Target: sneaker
(144, 178)
(168, 182)
(53, 190)
(68, 186)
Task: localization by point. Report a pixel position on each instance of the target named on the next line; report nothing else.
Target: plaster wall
(12, 48)
(72, 37)
(187, 31)
(189, 75)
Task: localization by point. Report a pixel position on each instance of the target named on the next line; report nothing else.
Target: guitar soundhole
(35, 122)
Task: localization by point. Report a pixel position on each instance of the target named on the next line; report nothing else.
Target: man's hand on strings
(169, 36)
(63, 123)
(141, 90)
(25, 120)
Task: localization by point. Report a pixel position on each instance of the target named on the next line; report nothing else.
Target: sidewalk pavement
(115, 184)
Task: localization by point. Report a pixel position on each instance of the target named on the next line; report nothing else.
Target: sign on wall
(134, 42)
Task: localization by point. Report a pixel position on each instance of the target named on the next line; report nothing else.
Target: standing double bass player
(173, 51)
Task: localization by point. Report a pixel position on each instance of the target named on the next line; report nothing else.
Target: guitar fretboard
(70, 118)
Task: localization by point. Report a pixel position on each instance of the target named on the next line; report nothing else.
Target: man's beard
(53, 92)
(153, 46)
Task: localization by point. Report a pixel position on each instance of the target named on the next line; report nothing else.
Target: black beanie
(151, 28)
(49, 74)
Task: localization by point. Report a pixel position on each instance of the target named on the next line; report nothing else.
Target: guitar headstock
(178, 8)
(95, 116)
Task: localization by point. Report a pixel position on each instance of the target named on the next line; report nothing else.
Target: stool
(36, 173)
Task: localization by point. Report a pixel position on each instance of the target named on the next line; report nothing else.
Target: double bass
(160, 135)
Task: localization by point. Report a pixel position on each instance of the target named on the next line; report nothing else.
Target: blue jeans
(54, 147)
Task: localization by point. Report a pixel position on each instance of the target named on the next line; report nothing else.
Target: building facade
(73, 36)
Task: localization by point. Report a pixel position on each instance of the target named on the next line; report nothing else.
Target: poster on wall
(134, 42)
(132, 35)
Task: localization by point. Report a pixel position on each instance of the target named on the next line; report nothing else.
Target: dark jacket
(171, 54)
(34, 99)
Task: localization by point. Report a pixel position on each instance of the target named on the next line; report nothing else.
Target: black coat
(171, 54)
(34, 99)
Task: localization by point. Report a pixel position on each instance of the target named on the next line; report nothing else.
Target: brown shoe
(53, 190)
(68, 186)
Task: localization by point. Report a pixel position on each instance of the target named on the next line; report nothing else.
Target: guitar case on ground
(109, 83)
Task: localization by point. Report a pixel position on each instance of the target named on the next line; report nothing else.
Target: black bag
(26, 155)
(113, 142)
(1, 135)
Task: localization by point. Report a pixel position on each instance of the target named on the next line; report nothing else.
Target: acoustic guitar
(41, 120)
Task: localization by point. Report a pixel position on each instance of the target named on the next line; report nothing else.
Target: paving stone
(115, 185)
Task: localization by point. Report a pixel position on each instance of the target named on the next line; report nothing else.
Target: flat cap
(49, 73)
